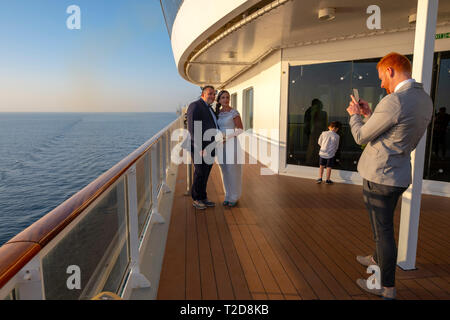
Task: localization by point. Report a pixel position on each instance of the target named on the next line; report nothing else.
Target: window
(233, 101)
(437, 155)
(319, 94)
(247, 108)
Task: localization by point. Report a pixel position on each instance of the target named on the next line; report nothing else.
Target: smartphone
(356, 94)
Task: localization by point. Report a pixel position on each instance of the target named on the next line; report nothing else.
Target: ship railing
(92, 242)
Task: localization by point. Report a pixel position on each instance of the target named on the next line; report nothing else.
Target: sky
(119, 61)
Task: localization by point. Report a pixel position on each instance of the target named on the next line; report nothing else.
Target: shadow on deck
(289, 238)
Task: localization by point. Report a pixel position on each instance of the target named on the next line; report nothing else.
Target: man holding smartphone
(391, 133)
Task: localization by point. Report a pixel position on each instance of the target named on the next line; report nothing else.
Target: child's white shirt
(329, 143)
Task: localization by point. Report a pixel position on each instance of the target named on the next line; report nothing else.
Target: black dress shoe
(208, 203)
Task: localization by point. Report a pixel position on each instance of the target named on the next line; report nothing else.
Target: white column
(422, 72)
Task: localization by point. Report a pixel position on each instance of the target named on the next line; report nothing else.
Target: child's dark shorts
(329, 163)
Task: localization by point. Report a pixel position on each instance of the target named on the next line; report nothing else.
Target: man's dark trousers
(200, 111)
(201, 174)
(381, 201)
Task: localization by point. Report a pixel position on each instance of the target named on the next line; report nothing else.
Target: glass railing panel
(163, 156)
(158, 164)
(115, 278)
(169, 145)
(156, 169)
(93, 253)
(144, 190)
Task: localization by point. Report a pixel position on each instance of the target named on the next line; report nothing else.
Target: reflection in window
(319, 94)
(437, 156)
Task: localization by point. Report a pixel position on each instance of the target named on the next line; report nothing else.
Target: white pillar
(422, 72)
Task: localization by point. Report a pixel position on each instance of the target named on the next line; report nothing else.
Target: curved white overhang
(196, 20)
(233, 48)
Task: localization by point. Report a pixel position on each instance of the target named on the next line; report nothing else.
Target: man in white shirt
(329, 143)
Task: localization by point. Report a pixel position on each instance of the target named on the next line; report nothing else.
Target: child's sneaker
(319, 180)
(329, 182)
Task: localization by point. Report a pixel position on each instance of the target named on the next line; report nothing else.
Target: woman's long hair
(218, 105)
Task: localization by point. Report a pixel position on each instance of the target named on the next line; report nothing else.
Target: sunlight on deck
(290, 239)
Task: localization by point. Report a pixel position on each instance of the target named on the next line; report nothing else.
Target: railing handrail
(18, 251)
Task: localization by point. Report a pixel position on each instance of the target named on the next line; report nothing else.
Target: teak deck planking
(289, 238)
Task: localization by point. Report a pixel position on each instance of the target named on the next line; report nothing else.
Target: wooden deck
(290, 239)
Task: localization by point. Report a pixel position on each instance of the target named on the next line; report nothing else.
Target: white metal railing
(99, 250)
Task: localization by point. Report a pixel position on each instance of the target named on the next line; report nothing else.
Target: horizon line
(88, 111)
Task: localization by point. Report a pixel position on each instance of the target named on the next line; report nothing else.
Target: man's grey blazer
(391, 133)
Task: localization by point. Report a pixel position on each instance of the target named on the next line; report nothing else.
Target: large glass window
(437, 156)
(248, 108)
(234, 100)
(170, 9)
(319, 94)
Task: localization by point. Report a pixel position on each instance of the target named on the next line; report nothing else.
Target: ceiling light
(326, 14)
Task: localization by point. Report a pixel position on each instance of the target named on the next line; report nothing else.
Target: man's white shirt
(401, 84)
(212, 113)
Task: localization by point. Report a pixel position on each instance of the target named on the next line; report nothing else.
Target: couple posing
(228, 121)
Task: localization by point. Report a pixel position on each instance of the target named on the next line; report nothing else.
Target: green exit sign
(443, 35)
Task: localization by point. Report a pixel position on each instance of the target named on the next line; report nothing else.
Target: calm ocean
(45, 158)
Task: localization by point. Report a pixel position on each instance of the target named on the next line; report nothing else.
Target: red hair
(396, 61)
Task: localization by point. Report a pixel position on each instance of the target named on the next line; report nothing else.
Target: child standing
(329, 143)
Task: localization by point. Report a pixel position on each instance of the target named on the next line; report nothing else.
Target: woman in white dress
(230, 125)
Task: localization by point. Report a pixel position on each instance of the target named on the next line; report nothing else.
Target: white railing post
(30, 281)
(422, 72)
(155, 217)
(165, 153)
(137, 279)
(148, 183)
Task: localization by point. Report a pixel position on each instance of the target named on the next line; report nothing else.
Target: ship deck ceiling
(295, 23)
(290, 238)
